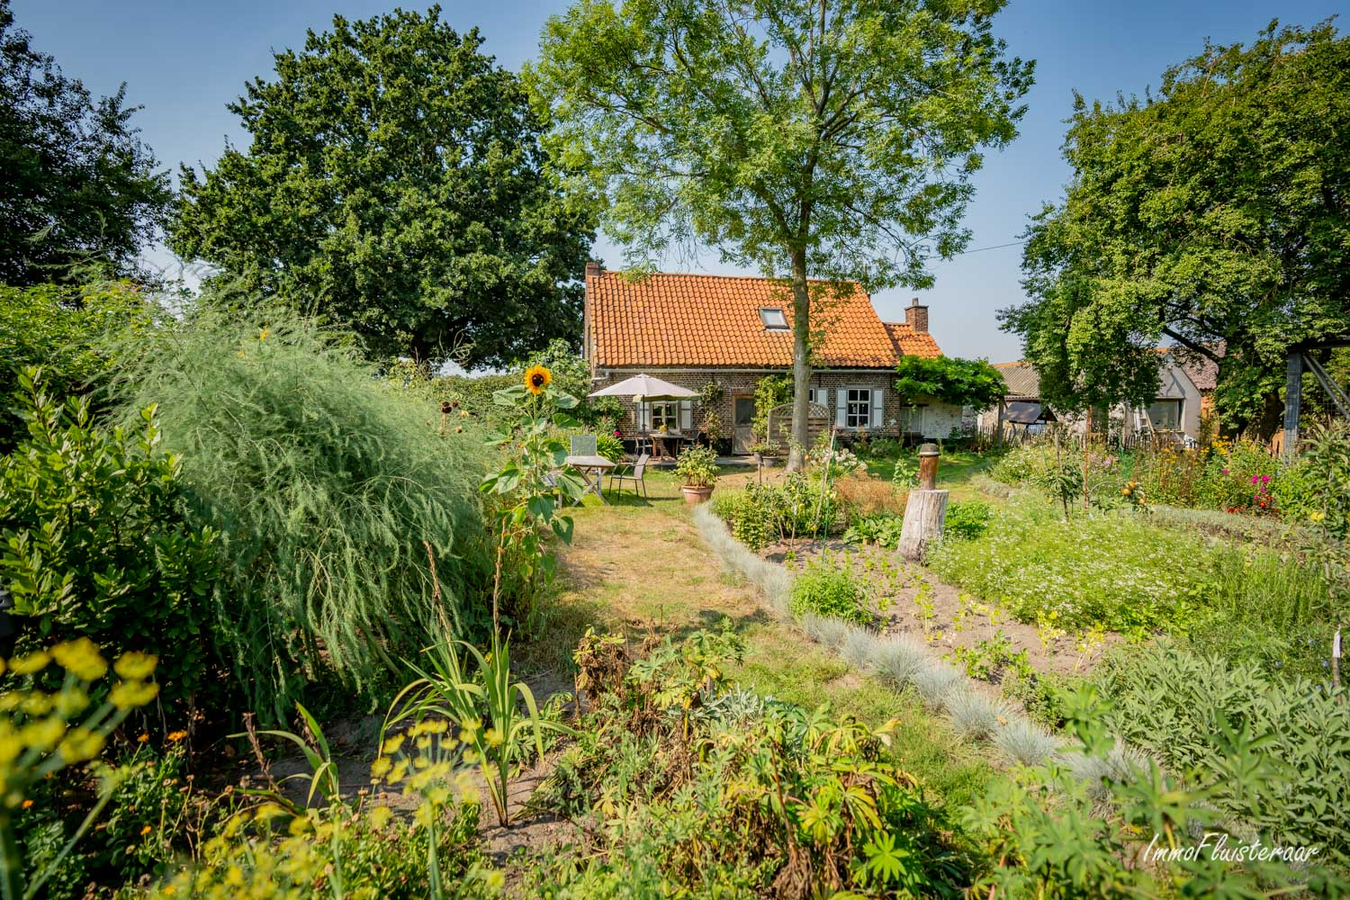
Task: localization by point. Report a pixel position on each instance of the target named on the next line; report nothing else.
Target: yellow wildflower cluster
(39, 731)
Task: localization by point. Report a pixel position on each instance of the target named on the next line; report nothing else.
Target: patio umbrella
(645, 387)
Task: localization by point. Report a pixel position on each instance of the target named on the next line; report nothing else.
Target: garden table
(592, 470)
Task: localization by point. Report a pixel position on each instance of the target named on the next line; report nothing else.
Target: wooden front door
(743, 413)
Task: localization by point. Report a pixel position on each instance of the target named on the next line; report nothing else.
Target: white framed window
(858, 413)
(667, 413)
(674, 415)
(773, 319)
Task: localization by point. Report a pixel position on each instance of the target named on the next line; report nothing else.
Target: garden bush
(760, 513)
(1186, 708)
(95, 542)
(353, 533)
(827, 588)
(61, 328)
(967, 520)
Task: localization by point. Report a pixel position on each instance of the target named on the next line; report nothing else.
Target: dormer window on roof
(773, 319)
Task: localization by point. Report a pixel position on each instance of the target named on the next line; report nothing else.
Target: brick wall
(938, 422)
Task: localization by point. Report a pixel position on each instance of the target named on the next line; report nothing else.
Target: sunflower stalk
(532, 486)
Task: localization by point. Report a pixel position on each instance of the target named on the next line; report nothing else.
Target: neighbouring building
(733, 331)
(1176, 409)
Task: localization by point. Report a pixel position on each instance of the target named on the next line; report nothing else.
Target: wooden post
(925, 510)
(1293, 395)
(998, 432)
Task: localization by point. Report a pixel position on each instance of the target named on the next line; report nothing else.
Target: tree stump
(925, 510)
(924, 514)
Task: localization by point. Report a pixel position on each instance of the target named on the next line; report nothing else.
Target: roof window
(773, 319)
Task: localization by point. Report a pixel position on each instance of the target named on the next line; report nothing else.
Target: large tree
(829, 139)
(77, 185)
(1214, 215)
(396, 184)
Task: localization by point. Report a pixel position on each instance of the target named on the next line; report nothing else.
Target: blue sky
(183, 60)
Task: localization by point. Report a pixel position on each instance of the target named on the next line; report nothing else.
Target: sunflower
(537, 378)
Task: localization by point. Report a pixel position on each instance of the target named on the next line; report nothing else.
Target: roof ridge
(852, 281)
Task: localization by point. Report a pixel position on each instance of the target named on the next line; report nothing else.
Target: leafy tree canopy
(396, 184)
(1214, 214)
(960, 382)
(77, 185)
(799, 137)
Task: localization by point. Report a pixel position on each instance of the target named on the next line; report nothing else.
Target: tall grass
(334, 495)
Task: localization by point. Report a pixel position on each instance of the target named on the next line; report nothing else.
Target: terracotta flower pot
(694, 494)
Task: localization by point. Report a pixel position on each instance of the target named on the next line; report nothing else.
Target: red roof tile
(713, 320)
(909, 342)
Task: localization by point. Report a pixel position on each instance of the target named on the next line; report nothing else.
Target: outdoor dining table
(661, 448)
(592, 469)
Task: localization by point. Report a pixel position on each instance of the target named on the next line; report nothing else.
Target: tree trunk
(801, 361)
(925, 511)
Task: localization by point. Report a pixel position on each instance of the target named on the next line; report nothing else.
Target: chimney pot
(916, 315)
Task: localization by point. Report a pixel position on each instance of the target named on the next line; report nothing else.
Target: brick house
(692, 329)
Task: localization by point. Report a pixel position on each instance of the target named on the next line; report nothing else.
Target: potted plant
(765, 452)
(697, 469)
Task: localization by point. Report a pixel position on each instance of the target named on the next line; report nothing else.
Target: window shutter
(686, 415)
(878, 407)
(643, 413)
(841, 408)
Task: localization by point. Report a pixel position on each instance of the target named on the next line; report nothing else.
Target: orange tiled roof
(909, 342)
(713, 320)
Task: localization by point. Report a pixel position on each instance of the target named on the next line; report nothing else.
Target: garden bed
(910, 599)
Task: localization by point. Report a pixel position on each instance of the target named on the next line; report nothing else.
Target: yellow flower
(495, 879)
(537, 378)
(143, 738)
(381, 766)
(27, 665)
(262, 335)
(145, 831)
(381, 816)
(81, 744)
(135, 665)
(129, 694)
(1317, 516)
(80, 658)
(27, 803)
(176, 736)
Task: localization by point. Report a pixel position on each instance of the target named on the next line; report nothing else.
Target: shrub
(826, 588)
(95, 542)
(761, 513)
(1187, 708)
(882, 530)
(609, 446)
(60, 328)
(354, 533)
(967, 520)
(1019, 465)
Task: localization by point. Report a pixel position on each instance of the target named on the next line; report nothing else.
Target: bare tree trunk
(801, 361)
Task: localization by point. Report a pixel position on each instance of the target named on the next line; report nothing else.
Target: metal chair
(584, 445)
(637, 476)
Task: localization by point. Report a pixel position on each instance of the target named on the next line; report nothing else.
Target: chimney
(593, 269)
(916, 316)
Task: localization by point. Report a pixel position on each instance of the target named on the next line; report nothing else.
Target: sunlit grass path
(640, 566)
